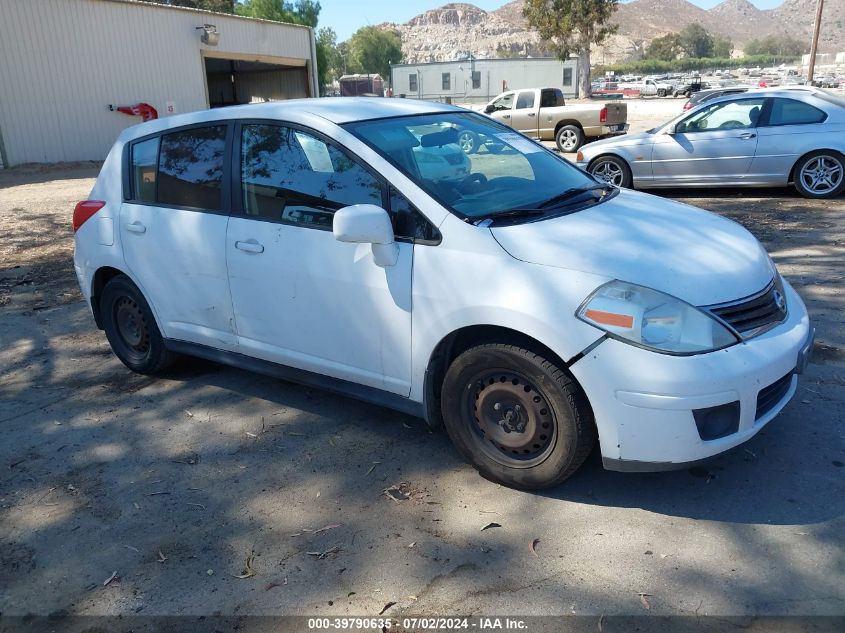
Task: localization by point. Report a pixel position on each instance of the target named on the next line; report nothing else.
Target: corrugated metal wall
(62, 62)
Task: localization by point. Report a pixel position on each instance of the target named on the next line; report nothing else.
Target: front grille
(454, 159)
(768, 397)
(754, 314)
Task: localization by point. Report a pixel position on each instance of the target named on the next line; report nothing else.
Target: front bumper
(643, 401)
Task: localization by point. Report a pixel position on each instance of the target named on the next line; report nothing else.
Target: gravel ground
(181, 485)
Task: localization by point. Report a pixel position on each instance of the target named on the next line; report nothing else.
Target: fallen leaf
(490, 525)
(271, 585)
(189, 414)
(373, 467)
(386, 607)
(601, 617)
(251, 434)
(248, 570)
(328, 527)
(161, 557)
(643, 600)
(396, 494)
(135, 503)
(210, 572)
(331, 440)
(134, 549)
(198, 505)
(295, 434)
(322, 555)
(412, 544)
(412, 598)
(317, 495)
(110, 579)
(533, 546)
(406, 425)
(350, 594)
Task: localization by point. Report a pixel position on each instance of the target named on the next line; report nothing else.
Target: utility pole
(819, 8)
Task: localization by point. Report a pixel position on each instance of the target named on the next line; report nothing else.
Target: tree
(304, 12)
(372, 50)
(696, 41)
(572, 26)
(665, 48)
(329, 59)
(775, 45)
(722, 47)
(220, 6)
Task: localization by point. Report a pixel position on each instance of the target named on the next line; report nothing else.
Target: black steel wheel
(517, 417)
(131, 328)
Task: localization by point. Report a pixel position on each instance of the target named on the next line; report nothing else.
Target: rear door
(714, 145)
(524, 114)
(173, 230)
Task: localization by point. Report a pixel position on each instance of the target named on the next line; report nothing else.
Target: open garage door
(234, 81)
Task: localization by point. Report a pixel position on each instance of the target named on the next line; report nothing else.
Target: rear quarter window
(144, 163)
(792, 112)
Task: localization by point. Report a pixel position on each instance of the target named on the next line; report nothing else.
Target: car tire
(661, 92)
(131, 328)
(820, 174)
(569, 138)
(611, 169)
(516, 416)
(468, 141)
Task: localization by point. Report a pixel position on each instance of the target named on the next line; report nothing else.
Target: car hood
(640, 138)
(689, 253)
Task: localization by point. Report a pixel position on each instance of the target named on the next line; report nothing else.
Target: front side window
(190, 168)
(447, 81)
(412, 82)
(505, 102)
(525, 100)
(144, 167)
(291, 176)
(730, 115)
(792, 112)
(408, 222)
(507, 172)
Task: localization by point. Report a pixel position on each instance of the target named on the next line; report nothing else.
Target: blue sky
(346, 16)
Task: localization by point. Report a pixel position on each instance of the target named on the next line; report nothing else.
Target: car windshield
(476, 167)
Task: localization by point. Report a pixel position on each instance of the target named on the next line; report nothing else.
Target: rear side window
(290, 176)
(525, 100)
(190, 168)
(791, 112)
(144, 161)
(551, 98)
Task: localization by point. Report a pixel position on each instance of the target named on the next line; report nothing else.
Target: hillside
(457, 30)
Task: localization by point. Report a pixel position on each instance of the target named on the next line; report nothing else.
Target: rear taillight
(85, 210)
(603, 115)
(687, 105)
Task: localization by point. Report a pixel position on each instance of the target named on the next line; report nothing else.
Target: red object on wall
(143, 110)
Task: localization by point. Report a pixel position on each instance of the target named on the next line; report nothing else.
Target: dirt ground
(180, 488)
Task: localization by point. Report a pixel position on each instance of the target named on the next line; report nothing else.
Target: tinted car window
(190, 168)
(525, 100)
(791, 112)
(144, 161)
(408, 222)
(291, 176)
(551, 98)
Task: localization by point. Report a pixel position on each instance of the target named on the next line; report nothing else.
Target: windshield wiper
(572, 193)
(518, 212)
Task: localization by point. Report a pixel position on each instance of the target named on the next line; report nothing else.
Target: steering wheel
(476, 179)
(732, 125)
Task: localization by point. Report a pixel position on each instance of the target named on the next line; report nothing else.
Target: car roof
(338, 110)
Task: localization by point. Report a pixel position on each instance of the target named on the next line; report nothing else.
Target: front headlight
(654, 320)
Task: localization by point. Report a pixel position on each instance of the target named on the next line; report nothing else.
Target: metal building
(479, 80)
(64, 63)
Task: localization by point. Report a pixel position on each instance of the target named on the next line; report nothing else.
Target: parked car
(542, 113)
(650, 87)
(529, 307)
(761, 138)
(439, 157)
(706, 95)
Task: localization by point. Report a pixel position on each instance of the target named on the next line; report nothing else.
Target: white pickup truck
(542, 113)
(650, 87)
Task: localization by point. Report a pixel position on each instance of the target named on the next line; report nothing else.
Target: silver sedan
(762, 138)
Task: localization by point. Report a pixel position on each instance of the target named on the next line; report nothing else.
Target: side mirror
(489, 109)
(367, 224)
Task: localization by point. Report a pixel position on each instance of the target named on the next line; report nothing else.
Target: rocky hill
(454, 31)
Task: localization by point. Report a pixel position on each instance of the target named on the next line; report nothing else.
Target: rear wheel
(820, 174)
(661, 92)
(468, 141)
(569, 138)
(611, 169)
(131, 328)
(516, 416)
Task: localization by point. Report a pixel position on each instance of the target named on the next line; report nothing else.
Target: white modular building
(479, 80)
(66, 66)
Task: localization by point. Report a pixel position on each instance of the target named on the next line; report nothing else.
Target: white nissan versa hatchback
(529, 307)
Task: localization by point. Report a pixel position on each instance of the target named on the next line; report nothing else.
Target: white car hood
(691, 254)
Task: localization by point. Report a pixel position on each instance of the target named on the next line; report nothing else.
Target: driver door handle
(506, 116)
(748, 135)
(250, 246)
(136, 227)
(532, 114)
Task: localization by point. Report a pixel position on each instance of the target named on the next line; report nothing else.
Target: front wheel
(661, 92)
(468, 141)
(611, 170)
(569, 138)
(820, 174)
(517, 417)
(131, 328)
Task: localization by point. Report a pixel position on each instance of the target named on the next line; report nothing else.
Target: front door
(502, 108)
(300, 297)
(173, 231)
(524, 114)
(715, 145)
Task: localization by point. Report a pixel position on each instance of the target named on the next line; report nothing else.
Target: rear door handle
(250, 246)
(748, 135)
(532, 114)
(136, 227)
